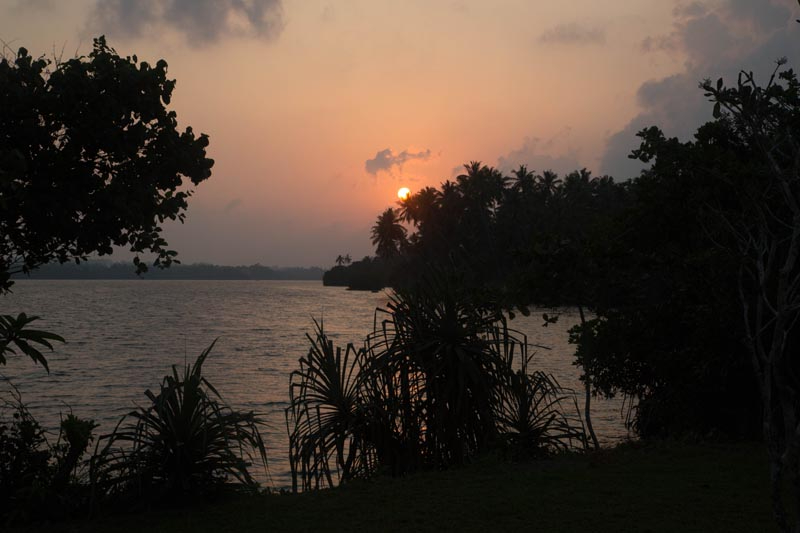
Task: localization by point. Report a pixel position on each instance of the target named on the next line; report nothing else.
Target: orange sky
(298, 99)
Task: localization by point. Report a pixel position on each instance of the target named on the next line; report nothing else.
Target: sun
(403, 193)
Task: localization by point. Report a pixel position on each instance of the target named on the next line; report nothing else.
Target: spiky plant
(326, 418)
(187, 441)
(435, 385)
(535, 415)
(440, 346)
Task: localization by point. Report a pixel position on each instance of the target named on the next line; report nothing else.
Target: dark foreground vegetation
(667, 487)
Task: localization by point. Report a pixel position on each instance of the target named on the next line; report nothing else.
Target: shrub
(186, 442)
(534, 415)
(436, 384)
(38, 480)
(326, 418)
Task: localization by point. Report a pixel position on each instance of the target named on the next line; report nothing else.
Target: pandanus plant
(326, 416)
(535, 415)
(438, 346)
(436, 384)
(187, 441)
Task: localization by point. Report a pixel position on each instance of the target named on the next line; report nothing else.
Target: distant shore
(196, 271)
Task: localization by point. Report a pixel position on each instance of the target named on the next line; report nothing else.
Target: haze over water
(123, 336)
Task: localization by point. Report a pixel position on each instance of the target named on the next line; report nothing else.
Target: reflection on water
(122, 337)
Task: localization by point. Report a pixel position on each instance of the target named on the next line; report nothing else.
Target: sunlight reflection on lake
(123, 336)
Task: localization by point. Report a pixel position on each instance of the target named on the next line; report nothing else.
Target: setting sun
(403, 193)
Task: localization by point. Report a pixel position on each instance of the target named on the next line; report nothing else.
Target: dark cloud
(691, 9)
(232, 205)
(573, 34)
(386, 159)
(764, 15)
(200, 21)
(32, 5)
(717, 40)
(537, 156)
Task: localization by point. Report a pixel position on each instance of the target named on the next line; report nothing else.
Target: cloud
(32, 5)
(573, 34)
(232, 205)
(716, 40)
(538, 156)
(199, 21)
(328, 13)
(386, 159)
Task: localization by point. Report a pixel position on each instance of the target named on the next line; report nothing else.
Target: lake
(123, 336)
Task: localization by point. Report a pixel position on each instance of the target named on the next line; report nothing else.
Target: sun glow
(403, 193)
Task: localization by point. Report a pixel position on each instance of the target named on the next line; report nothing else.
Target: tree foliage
(638, 257)
(40, 480)
(14, 331)
(388, 235)
(90, 158)
(764, 234)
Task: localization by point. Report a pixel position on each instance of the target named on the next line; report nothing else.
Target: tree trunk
(587, 405)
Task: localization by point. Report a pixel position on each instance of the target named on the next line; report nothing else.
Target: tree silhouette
(90, 158)
(765, 229)
(388, 234)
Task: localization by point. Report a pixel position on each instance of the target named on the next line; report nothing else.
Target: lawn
(665, 487)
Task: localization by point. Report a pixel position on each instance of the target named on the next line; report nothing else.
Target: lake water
(123, 336)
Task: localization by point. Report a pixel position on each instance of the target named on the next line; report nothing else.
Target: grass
(665, 487)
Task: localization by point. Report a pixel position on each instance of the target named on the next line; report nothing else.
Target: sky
(318, 111)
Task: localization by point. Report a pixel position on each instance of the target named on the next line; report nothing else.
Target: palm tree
(548, 183)
(339, 260)
(524, 181)
(388, 235)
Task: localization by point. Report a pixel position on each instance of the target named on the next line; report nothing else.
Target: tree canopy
(90, 158)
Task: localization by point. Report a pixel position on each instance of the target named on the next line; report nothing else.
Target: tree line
(198, 271)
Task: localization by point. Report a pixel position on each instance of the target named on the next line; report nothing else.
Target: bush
(436, 384)
(188, 442)
(38, 480)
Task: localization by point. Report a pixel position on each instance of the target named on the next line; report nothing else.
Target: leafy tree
(665, 326)
(764, 226)
(90, 158)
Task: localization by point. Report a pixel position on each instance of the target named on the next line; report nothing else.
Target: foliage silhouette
(763, 234)
(388, 235)
(436, 384)
(637, 257)
(326, 418)
(186, 442)
(90, 158)
(532, 417)
(13, 331)
(40, 481)
(370, 273)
